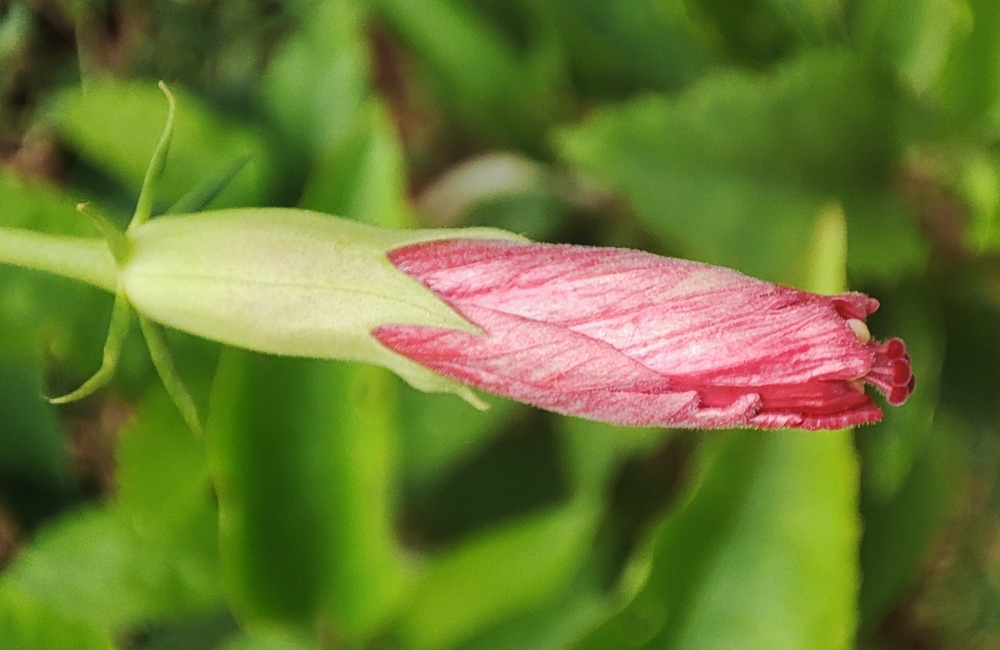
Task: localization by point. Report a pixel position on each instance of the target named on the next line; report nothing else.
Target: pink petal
(632, 338)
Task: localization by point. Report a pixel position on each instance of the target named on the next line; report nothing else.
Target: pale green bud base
(279, 281)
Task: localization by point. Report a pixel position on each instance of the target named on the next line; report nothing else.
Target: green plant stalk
(79, 258)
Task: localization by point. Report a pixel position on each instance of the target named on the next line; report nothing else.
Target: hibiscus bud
(632, 338)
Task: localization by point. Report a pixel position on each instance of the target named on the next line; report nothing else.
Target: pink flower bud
(632, 338)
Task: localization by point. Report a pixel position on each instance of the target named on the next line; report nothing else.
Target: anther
(860, 330)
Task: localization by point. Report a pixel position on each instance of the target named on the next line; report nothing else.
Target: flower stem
(78, 258)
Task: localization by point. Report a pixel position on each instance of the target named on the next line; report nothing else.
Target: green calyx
(119, 245)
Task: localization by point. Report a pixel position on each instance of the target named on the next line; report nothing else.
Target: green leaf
(317, 81)
(757, 32)
(815, 22)
(632, 44)
(763, 555)
(555, 625)
(749, 157)
(979, 186)
(891, 447)
(162, 469)
(477, 71)
(31, 440)
(900, 529)
(910, 460)
(94, 567)
(269, 640)
(441, 430)
(31, 205)
(200, 196)
(501, 573)
(914, 37)
(303, 457)
(25, 624)
(969, 87)
(826, 259)
(363, 178)
(116, 126)
(596, 450)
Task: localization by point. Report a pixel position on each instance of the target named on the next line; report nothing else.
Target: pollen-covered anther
(860, 330)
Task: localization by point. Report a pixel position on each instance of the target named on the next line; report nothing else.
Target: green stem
(85, 259)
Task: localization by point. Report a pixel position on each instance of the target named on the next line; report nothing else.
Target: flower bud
(633, 338)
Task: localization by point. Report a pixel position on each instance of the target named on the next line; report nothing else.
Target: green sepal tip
(144, 206)
(165, 368)
(121, 318)
(117, 243)
(205, 192)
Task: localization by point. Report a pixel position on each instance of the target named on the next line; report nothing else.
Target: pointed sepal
(144, 206)
(121, 317)
(165, 368)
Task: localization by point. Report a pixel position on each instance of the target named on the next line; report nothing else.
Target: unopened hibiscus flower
(608, 334)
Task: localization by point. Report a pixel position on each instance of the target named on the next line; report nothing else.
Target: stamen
(891, 372)
(860, 330)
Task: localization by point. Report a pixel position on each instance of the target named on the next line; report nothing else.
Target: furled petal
(634, 338)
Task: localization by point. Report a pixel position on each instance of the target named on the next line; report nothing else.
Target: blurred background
(329, 505)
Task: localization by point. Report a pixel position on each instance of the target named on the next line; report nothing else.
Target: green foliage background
(331, 506)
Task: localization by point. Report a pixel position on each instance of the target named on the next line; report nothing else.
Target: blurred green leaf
(200, 196)
(969, 88)
(26, 624)
(303, 456)
(162, 470)
(825, 260)
(747, 157)
(497, 574)
(900, 528)
(504, 94)
(914, 37)
(317, 81)
(555, 625)
(632, 44)
(94, 567)
(885, 242)
(815, 22)
(268, 640)
(979, 185)
(764, 554)
(31, 442)
(33, 205)
(115, 126)
(364, 177)
(596, 450)
(891, 447)
(759, 32)
(441, 430)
